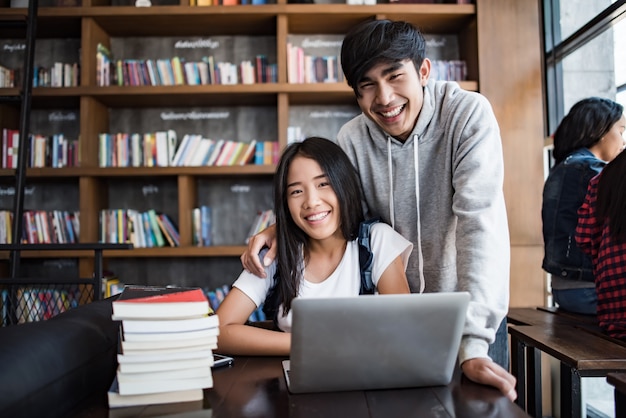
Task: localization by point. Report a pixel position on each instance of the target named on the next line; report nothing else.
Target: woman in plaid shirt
(601, 233)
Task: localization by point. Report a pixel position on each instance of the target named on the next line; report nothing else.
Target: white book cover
(169, 325)
(208, 341)
(165, 365)
(143, 357)
(169, 336)
(138, 387)
(201, 152)
(162, 159)
(186, 373)
(167, 350)
(172, 142)
(119, 401)
(180, 152)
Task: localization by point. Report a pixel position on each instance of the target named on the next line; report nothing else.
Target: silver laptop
(374, 341)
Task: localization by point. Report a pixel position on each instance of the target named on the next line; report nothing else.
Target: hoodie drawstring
(390, 168)
(420, 257)
(419, 219)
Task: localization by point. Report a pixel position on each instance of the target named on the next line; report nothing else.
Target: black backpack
(366, 259)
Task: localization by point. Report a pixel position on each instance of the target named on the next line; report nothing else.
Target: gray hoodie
(455, 214)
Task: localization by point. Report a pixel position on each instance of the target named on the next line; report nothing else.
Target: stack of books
(167, 338)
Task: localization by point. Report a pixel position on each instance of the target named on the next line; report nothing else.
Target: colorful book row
(44, 151)
(42, 227)
(142, 229)
(59, 75)
(177, 71)
(454, 70)
(217, 295)
(161, 149)
(202, 226)
(303, 68)
(262, 220)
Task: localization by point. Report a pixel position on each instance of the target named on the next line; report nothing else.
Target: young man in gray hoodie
(429, 156)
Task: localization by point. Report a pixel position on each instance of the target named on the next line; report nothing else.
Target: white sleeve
(256, 287)
(386, 245)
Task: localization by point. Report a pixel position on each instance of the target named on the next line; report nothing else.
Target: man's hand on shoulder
(250, 259)
(487, 372)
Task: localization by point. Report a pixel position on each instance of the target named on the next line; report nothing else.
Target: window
(585, 55)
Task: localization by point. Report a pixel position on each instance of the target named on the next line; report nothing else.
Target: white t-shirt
(386, 245)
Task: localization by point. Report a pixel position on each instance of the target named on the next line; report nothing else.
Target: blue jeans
(582, 301)
(499, 350)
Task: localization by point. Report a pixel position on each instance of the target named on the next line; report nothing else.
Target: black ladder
(28, 24)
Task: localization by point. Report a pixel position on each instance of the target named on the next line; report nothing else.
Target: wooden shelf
(168, 252)
(187, 186)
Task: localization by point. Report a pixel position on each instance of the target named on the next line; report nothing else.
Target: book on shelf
(262, 220)
(216, 297)
(206, 227)
(236, 153)
(204, 63)
(170, 228)
(215, 152)
(200, 153)
(247, 155)
(202, 226)
(314, 58)
(226, 152)
(155, 229)
(118, 401)
(142, 229)
(155, 302)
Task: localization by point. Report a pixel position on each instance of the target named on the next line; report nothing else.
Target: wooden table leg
(571, 398)
(533, 384)
(620, 404)
(518, 369)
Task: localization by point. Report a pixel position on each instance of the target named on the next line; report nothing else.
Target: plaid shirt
(609, 264)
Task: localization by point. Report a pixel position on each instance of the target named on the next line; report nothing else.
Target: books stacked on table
(167, 338)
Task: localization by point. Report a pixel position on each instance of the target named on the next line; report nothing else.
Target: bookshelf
(102, 21)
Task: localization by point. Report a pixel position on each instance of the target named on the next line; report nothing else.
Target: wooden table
(255, 387)
(575, 340)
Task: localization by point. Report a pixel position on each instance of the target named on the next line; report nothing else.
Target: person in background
(601, 234)
(317, 199)
(588, 137)
(429, 157)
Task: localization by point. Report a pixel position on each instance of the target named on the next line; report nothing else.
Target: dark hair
(585, 124)
(345, 182)
(379, 41)
(611, 203)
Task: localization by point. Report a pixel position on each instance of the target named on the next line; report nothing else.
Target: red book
(153, 302)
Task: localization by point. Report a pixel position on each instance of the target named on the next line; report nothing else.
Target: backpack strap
(366, 257)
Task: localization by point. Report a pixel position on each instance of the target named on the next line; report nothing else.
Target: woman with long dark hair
(317, 200)
(587, 138)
